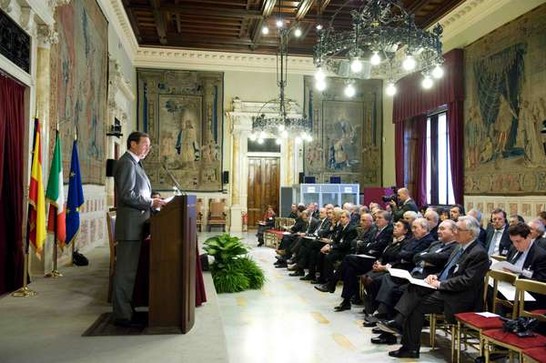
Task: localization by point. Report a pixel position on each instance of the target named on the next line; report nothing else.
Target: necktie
(515, 258)
(140, 164)
(447, 270)
(495, 241)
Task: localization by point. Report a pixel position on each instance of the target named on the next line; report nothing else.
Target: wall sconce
(115, 129)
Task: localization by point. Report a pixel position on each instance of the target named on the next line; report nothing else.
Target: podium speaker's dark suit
(133, 197)
(461, 291)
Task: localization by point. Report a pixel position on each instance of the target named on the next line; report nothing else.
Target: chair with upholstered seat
(111, 228)
(216, 215)
(472, 325)
(511, 341)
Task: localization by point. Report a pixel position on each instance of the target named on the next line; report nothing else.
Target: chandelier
(278, 117)
(383, 42)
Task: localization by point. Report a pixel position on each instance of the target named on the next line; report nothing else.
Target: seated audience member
(381, 235)
(459, 287)
(296, 246)
(478, 215)
(537, 231)
(293, 211)
(410, 216)
(354, 265)
(443, 213)
(302, 258)
(365, 233)
(338, 248)
(405, 203)
(542, 217)
(525, 254)
(497, 241)
(288, 238)
(430, 261)
(515, 219)
(455, 212)
(433, 219)
(267, 222)
(404, 259)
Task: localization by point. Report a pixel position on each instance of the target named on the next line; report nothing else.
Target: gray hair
(423, 222)
(538, 225)
(471, 224)
(476, 214)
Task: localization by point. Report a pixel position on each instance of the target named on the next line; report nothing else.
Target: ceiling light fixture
(383, 42)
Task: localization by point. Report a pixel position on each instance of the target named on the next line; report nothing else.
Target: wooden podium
(172, 266)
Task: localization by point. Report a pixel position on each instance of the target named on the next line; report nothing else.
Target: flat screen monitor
(335, 180)
(309, 180)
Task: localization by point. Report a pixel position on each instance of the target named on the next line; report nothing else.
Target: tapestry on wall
(183, 113)
(505, 123)
(346, 132)
(79, 86)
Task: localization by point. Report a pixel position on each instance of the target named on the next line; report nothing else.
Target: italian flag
(56, 222)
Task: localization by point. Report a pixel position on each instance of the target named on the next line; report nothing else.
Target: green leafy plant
(232, 270)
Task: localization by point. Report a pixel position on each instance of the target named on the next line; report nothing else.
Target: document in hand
(505, 265)
(366, 256)
(403, 274)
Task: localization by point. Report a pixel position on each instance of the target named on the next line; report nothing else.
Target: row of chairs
(486, 334)
(272, 237)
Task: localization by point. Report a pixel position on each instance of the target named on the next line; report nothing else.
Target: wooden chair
(510, 341)
(471, 325)
(534, 355)
(216, 216)
(111, 228)
(199, 213)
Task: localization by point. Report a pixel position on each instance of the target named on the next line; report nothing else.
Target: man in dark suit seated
(456, 289)
(430, 261)
(405, 203)
(497, 241)
(478, 215)
(537, 232)
(340, 246)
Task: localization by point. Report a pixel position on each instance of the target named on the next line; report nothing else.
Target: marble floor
(289, 321)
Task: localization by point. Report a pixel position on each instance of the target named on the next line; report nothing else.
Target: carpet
(104, 326)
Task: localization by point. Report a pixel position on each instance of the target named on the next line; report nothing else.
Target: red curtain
(413, 100)
(12, 128)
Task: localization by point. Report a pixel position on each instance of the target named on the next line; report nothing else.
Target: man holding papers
(458, 287)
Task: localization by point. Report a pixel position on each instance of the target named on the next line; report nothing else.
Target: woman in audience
(267, 222)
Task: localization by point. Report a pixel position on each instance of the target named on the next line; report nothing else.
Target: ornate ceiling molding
(193, 59)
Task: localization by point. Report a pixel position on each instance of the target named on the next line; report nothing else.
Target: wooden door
(263, 187)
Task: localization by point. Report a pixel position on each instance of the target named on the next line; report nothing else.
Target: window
(439, 181)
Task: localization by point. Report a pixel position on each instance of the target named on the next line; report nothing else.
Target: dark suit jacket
(433, 259)
(505, 242)
(541, 242)
(343, 239)
(377, 245)
(463, 289)
(312, 226)
(405, 256)
(133, 201)
(535, 261)
(407, 206)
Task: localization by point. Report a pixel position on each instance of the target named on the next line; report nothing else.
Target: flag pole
(25, 291)
(72, 247)
(54, 273)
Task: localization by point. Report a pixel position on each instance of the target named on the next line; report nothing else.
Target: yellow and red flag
(36, 198)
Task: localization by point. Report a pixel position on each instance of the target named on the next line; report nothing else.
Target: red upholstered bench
(511, 341)
(537, 354)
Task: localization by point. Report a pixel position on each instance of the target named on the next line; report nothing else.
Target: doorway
(263, 187)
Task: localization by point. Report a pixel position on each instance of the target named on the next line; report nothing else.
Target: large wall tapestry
(183, 113)
(505, 123)
(346, 132)
(79, 84)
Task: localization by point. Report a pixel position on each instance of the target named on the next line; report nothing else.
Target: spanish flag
(36, 199)
(56, 222)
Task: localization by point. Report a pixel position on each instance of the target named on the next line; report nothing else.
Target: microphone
(177, 188)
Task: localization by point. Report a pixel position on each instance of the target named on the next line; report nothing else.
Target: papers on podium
(403, 274)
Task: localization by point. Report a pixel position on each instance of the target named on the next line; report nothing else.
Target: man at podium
(134, 204)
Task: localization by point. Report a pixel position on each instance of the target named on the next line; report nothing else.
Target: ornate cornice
(194, 59)
(6, 5)
(121, 23)
(118, 82)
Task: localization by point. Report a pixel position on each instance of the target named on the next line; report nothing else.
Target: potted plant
(233, 270)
